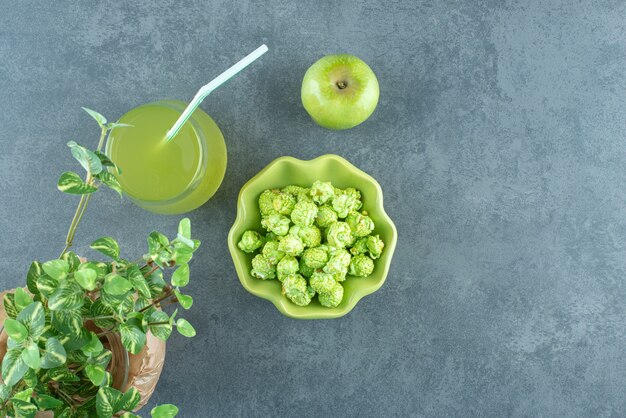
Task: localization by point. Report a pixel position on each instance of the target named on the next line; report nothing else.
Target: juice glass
(173, 177)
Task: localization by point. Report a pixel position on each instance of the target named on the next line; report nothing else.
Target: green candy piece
(339, 235)
(361, 266)
(250, 241)
(322, 282)
(315, 258)
(290, 245)
(326, 216)
(322, 192)
(296, 289)
(304, 213)
(375, 246)
(276, 223)
(333, 298)
(288, 265)
(272, 252)
(361, 225)
(262, 268)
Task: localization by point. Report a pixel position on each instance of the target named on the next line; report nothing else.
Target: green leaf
(111, 181)
(69, 295)
(46, 402)
(24, 395)
(116, 285)
(94, 346)
(9, 305)
(30, 355)
(133, 338)
(72, 259)
(22, 299)
(106, 161)
(76, 342)
(88, 159)
(103, 359)
(106, 399)
(184, 228)
(71, 183)
(57, 269)
(129, 415)
(47, 285)
(63, 374)
(34, 319)
(129, 400)
(161, 331)
(107, 246)
(97, 116)
(55, 354)
(23, 409)
(67, 321)
(34, 272)
(185, 300)
(5, 392)
(99, 309)
(164, 411)
(13, 367)
(185, 328)
(15, 329)
(138, 281)
(180, 277)
(86, 278)
(114, 125)
(95, 373)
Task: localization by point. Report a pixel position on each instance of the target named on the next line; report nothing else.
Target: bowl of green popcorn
(312, 236)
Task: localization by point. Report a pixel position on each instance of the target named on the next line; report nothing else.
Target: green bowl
(288, 170)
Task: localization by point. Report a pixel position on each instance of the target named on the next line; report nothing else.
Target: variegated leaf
(33, 318)
(55, 354)
(13, 367)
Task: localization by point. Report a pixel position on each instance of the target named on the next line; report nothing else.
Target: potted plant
(69, 335)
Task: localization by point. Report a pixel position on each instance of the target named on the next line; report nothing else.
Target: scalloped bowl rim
(281, 303)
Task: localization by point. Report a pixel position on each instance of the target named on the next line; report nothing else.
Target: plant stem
(82, 204)
(162, 298)
(159, 323)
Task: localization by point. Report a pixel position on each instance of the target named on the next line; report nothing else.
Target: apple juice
(168, 177)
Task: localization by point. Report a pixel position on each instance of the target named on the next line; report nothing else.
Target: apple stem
(342, 85)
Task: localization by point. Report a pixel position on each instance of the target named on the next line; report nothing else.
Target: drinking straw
(213, 84)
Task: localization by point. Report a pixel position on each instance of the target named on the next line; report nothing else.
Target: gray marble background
(499, 143)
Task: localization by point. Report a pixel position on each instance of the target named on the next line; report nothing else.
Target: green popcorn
(339, 235)
(322, 282)
(250, 241)
(344, 202)
(286, 266)
(266, 202)
(278, 224)
(311, 236)
(375, 246)
(305, 270)
(295, 191)
(291, 245)
(304, 213)
(361, 266)
(351, 191)
(315, 257)
(262, 268)
(272, 252)
(283, 203)
(361, 225)
(325, 216)
(333, 298)
(322, 192)
(359, 246)
(270, 236)
(338, 264)
(296, 289)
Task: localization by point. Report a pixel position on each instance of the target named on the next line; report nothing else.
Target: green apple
(339, 91)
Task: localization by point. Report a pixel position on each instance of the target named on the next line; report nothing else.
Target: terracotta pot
(141, 371)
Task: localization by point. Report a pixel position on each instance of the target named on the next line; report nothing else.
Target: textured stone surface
(499, 143)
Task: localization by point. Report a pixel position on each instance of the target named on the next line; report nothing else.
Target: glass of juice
(168, 177)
